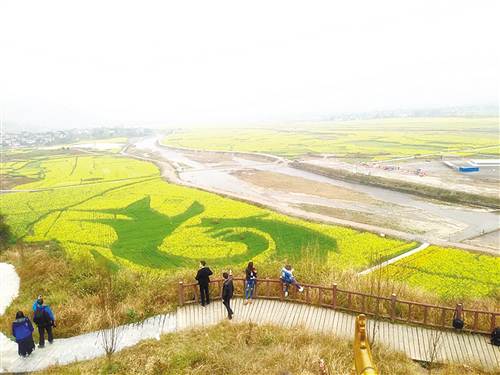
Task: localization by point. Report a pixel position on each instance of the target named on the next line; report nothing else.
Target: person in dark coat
(203, 281)
(22, 330)
(227, 293)
(44, 319)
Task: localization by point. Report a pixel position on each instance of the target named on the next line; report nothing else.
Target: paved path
(423, 246)
(414, 341)
(82, 347)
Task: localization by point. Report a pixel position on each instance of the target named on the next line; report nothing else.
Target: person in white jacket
(288, 279)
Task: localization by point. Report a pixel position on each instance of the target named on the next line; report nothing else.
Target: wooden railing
(397, 310)
(363, 362)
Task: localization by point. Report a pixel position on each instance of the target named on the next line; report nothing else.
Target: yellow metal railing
(363, 363)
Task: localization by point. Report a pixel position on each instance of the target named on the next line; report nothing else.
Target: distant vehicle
(468, 169)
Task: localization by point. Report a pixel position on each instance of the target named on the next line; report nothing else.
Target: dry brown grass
(72, 289)
(238, 349)
(246, 349)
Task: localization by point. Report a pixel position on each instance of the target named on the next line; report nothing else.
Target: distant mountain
(458, 111)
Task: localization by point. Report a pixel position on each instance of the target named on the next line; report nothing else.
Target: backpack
(41, 316)
(495, 336)
(458, 323)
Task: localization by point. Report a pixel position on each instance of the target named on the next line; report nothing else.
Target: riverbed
(431, 219)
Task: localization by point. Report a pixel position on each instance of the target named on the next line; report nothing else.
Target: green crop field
(366, 140)
(119, 210)
(450, 273)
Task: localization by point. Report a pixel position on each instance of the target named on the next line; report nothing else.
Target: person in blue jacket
(22, 330)
(288, 279)
(44, 319)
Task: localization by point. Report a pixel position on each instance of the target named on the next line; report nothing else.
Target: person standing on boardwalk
(250, 280)
(44, 319)
(22, 330)
(227, 293)
(288, 279)
(203, 277)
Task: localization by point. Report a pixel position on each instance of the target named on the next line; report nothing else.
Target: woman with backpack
(250, 280)
(22, 330)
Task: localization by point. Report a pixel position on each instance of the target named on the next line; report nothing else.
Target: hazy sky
(74, 63)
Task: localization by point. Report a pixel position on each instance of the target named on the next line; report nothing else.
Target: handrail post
(493, 321)
(393, 306)
(181, 293)
(196, 290)
(474, 325)
(334, 296)
(363, 362)
(458, 311)
(282, 291)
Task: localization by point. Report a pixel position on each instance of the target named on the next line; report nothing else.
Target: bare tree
(109, 307)
(434, 346)
(376, 280)
(380, 285)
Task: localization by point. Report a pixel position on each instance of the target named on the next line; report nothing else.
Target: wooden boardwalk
(415, 342)
(455, 347)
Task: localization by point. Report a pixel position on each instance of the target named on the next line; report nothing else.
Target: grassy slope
(245, 349)
(73, 287)
(370, 139)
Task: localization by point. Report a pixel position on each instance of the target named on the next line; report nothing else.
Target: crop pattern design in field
(120, 209)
